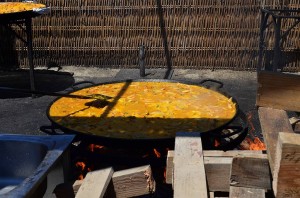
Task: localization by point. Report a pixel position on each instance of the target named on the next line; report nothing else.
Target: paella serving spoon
(92, 96)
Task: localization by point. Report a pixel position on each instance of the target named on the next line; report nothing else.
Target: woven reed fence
(187, 34)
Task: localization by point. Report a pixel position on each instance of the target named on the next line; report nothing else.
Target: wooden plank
(237, 192)
(297, 127)
(189, 172)
(295, 122)
(217, 167)
(133, 182)
(169, 167)
(64, 190)
(217, 170)
(95, 183)
(233, 153)
(286, 182)
(272, 122)
(76, 185)
(278, 90)
(250, 173)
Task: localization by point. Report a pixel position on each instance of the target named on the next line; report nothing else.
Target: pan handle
(80, 83)
(51, 130)
(217, 84)
(241, 129)
(235, 142)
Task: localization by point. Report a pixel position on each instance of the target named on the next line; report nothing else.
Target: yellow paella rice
(12, 7)
(144, 110)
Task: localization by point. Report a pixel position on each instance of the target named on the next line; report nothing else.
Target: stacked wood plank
(278, 92)
(286, 170)
(131, 182)
(206, 172)
(250, 177)
(197, 173)
(189, 173)
(239, 173)
(283, 146)
(188, 34)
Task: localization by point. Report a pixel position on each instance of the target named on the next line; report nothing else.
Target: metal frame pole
(142, 60)
(277, 52)
(28, 23)
(263, 22)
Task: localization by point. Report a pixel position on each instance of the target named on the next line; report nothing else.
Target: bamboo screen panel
(187, 34)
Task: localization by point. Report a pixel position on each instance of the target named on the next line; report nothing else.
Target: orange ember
(91, 168)
(165, 174)
(257, 144)
(80, 165)
(158, 155)
(253, 143)
(249, 119)
(93, 147)
(80, 177)
(217, 143)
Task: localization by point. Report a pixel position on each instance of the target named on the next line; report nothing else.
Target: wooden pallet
(198, 173)
(276, 94)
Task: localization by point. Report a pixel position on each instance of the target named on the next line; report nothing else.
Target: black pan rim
(13, 16)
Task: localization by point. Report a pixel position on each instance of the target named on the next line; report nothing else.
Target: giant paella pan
(143, 110)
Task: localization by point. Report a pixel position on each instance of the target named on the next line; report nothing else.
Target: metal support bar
(28, 42)
(14, 33)
(142, 60)
(28, 22)
(277, 51)
(20, 26)
(269, 24)
(263, 26)
(288, 30)
(278, 13)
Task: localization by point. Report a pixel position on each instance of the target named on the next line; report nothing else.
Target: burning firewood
(249, 144)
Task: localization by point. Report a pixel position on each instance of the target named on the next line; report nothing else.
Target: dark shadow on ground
(45, 80)
(150, 74)
(8, 54)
